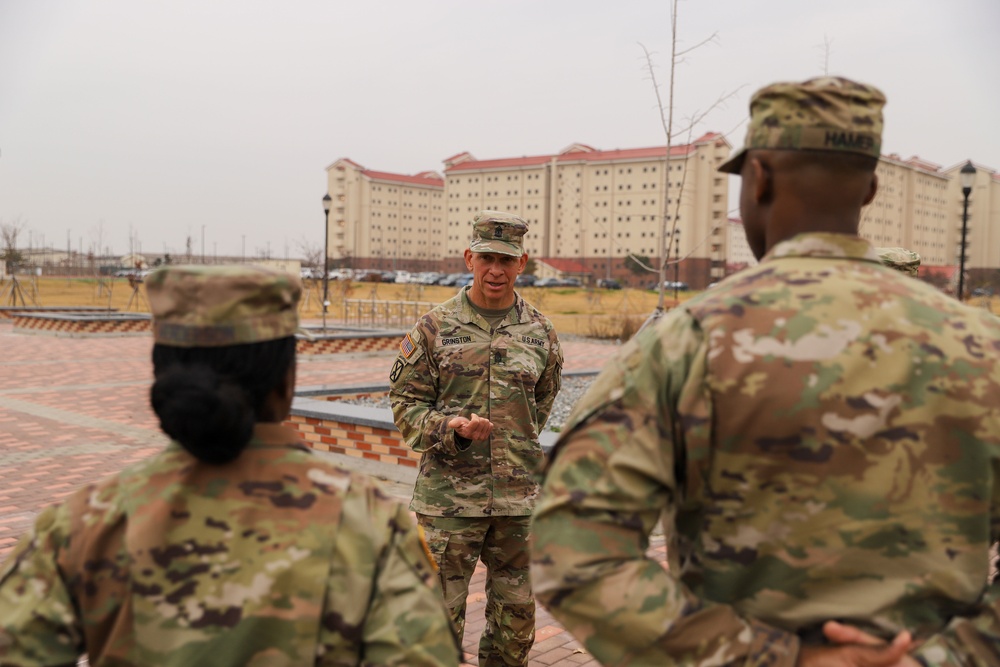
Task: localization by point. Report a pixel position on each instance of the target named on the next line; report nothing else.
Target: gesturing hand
(857, 649)
(477, 428)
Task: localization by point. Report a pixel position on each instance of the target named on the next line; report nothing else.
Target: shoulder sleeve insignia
(407, 347)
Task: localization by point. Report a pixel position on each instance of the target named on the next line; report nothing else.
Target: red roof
(579, 153)
(474, 164)
(564, 265)
(428, 178)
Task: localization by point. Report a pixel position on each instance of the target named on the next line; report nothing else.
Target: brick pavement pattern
(74, 409)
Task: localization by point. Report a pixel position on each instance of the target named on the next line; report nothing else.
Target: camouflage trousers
(457, 544)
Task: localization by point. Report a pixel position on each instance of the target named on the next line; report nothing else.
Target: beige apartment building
(592, 206)
(597, 207)
(590, 209)
(383, 220)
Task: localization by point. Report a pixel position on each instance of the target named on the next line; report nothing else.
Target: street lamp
(967, 177)
(327, 201)
(677, 261)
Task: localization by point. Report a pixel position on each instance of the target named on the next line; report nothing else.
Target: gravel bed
(573, 388)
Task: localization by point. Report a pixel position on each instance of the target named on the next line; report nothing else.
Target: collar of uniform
(467, 314)
(824, 244)
(271, 434)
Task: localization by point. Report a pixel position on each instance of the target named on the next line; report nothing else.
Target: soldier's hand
(841, 633)
(477, 428)
(858, 649)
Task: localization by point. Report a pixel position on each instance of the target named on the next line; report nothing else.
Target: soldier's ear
(872, 191)
(468, 259)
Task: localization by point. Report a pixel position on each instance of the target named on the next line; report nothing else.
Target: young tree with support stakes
(669, 228)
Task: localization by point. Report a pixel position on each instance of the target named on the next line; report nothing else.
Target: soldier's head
(495, 257)
(808, 163)
(223, 353)
(901, 259)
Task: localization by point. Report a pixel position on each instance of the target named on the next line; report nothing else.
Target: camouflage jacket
(822, 436)
(277, 558)
(451, 365)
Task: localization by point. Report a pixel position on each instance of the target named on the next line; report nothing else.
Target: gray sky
(167, 117)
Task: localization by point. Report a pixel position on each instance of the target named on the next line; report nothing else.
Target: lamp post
(326, 252)
(677, 261)
(967, 176)
(203, 244)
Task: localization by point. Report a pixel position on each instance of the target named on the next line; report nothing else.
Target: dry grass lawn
(604, 313)
(598, 313)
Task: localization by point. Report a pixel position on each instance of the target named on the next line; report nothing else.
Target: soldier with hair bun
(236, 544)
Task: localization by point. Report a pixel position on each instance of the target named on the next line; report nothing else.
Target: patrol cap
(826, 114)
(497, 231)
(900, 259)
(216, 306)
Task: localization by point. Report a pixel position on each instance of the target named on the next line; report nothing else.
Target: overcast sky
(170, 117)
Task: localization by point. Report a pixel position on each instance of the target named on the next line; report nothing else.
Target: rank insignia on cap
(498, 232)
(407, 347)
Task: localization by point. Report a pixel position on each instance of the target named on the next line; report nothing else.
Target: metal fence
(377, 313)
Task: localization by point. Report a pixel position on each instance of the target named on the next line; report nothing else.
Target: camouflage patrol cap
(900, 259)
(827, 114)
(215, 306)
(496, 231)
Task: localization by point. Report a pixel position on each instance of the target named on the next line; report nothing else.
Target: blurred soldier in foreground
(471, 389)
(236, 545)
(822, 432)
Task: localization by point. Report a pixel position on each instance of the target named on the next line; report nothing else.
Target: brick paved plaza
(75, 409)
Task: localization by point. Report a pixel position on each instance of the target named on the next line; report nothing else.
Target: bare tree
(9, 231)
(667, 121)
(312, 253)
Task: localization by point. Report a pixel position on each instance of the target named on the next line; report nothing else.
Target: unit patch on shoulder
(397, 368)
(407, 347)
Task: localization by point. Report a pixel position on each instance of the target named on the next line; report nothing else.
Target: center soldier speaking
(471, 389)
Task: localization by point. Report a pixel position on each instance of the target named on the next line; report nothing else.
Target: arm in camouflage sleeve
(407, 622)
(413, 393)
(549, 382)
(38, 623)
(611, 477)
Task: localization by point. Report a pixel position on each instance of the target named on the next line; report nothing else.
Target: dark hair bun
(210, 417)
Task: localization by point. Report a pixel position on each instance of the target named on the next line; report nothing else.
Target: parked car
(608, 283)
(670, 285)
(558, 282)
(525, 280)
(305, 273)
(368, 276)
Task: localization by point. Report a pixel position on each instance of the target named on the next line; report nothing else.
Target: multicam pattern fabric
(901, 259)
(826, 113)
(212, 306)
(822, 436)
(276, 558)
(458, 544)
(497, 231)
(510, 377)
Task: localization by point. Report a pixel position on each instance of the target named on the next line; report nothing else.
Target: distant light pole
(677, 261)
(326, 255)
(967, 176)
(203, 244)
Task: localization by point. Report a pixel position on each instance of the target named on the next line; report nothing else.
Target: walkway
(75, 409)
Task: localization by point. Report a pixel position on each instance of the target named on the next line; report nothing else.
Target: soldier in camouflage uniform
(236, 545)
(820, 433)
(471, 389)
